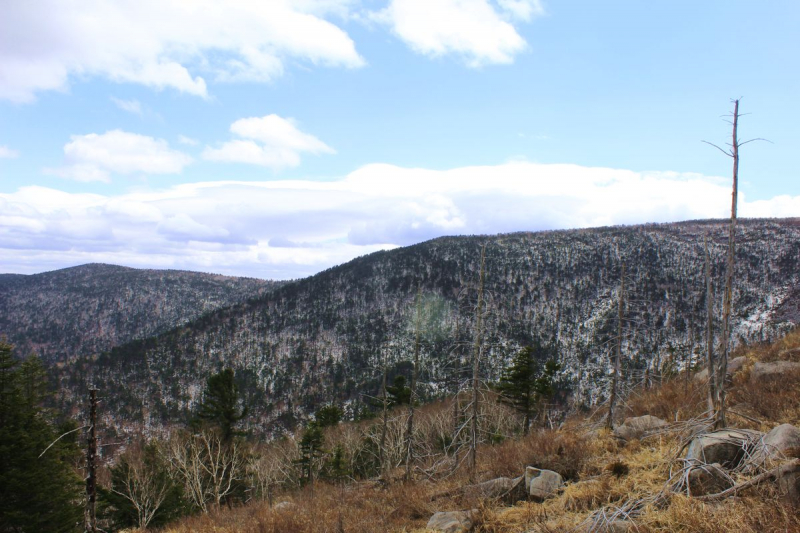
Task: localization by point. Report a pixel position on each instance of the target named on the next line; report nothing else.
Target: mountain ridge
(325, 338)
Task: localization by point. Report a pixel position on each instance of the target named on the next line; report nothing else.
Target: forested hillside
(91, 308)
(326, 337)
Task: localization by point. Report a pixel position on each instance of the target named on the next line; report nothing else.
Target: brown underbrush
(601, 473)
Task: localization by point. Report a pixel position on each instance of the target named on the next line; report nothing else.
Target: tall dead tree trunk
(476, 358)
(385, 423)
(91, 455)
(413, 396)
(722, 364)
(721, 367)
(612, 400)
(712, 375)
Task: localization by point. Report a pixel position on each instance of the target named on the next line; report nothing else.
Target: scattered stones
(726, 447)
(766, 372)
(708, 479)
(781, 441)
(542, 484)
(734, 365)
(452, 521)
(636, 427)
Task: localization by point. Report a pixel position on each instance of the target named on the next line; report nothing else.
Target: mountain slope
(325, 337)
(91, 308)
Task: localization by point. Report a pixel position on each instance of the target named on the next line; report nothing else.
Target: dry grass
(601, 473)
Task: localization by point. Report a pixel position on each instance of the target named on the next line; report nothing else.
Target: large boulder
(788, 480)
(452, 521)
(708, 479)
(542, 484)
(734, 365)
(782, 441)
(766, 372)
(726, 446)
(636, 427)
(502, 488)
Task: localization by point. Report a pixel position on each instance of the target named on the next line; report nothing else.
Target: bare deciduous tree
(142, 482)
(208, 467)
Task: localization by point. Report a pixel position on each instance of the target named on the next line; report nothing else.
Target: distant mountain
(88, 309)
(325, 338)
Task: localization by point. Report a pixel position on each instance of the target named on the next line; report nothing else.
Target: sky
(277, 138)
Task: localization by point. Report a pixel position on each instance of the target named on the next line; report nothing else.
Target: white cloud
(95, 157)
(183, 139)
(269, 141)
(476, 30)
(131, 106)
(8, 153)
(165, 43)
(290, 229)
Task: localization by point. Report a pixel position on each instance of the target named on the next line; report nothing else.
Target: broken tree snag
(712, 380)
(618, 352)
(476, 358)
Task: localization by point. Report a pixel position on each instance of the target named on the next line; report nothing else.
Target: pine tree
(38, 492)
(328, 416)
(311, 444)
(220, 404)
(525, 382)
(399, 393)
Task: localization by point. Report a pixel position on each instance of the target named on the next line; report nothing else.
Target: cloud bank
(166, 43)
(289, 229)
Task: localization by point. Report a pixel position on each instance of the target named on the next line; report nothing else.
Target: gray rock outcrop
(636, 427)
(542, 484)
(780, 442)
(734, 365)
(708, 479)
(503, 488)
(766, 372)
(726, 447)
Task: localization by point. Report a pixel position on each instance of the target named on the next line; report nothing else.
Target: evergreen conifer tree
(220, 404)
(526, 382)
(38, 492)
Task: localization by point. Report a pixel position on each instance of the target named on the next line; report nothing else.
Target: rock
(708, 479)
(766, 372)
(726, 446)
(790, 351)
(779, 442)
(788, 480)
(502, 488)
(542, 484)
(734, 365)
(452, 521)
(636, 427)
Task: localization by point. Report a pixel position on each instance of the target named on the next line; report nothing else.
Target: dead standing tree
(617, 352)
(476, 359)
(414, 371)
(721, 367)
